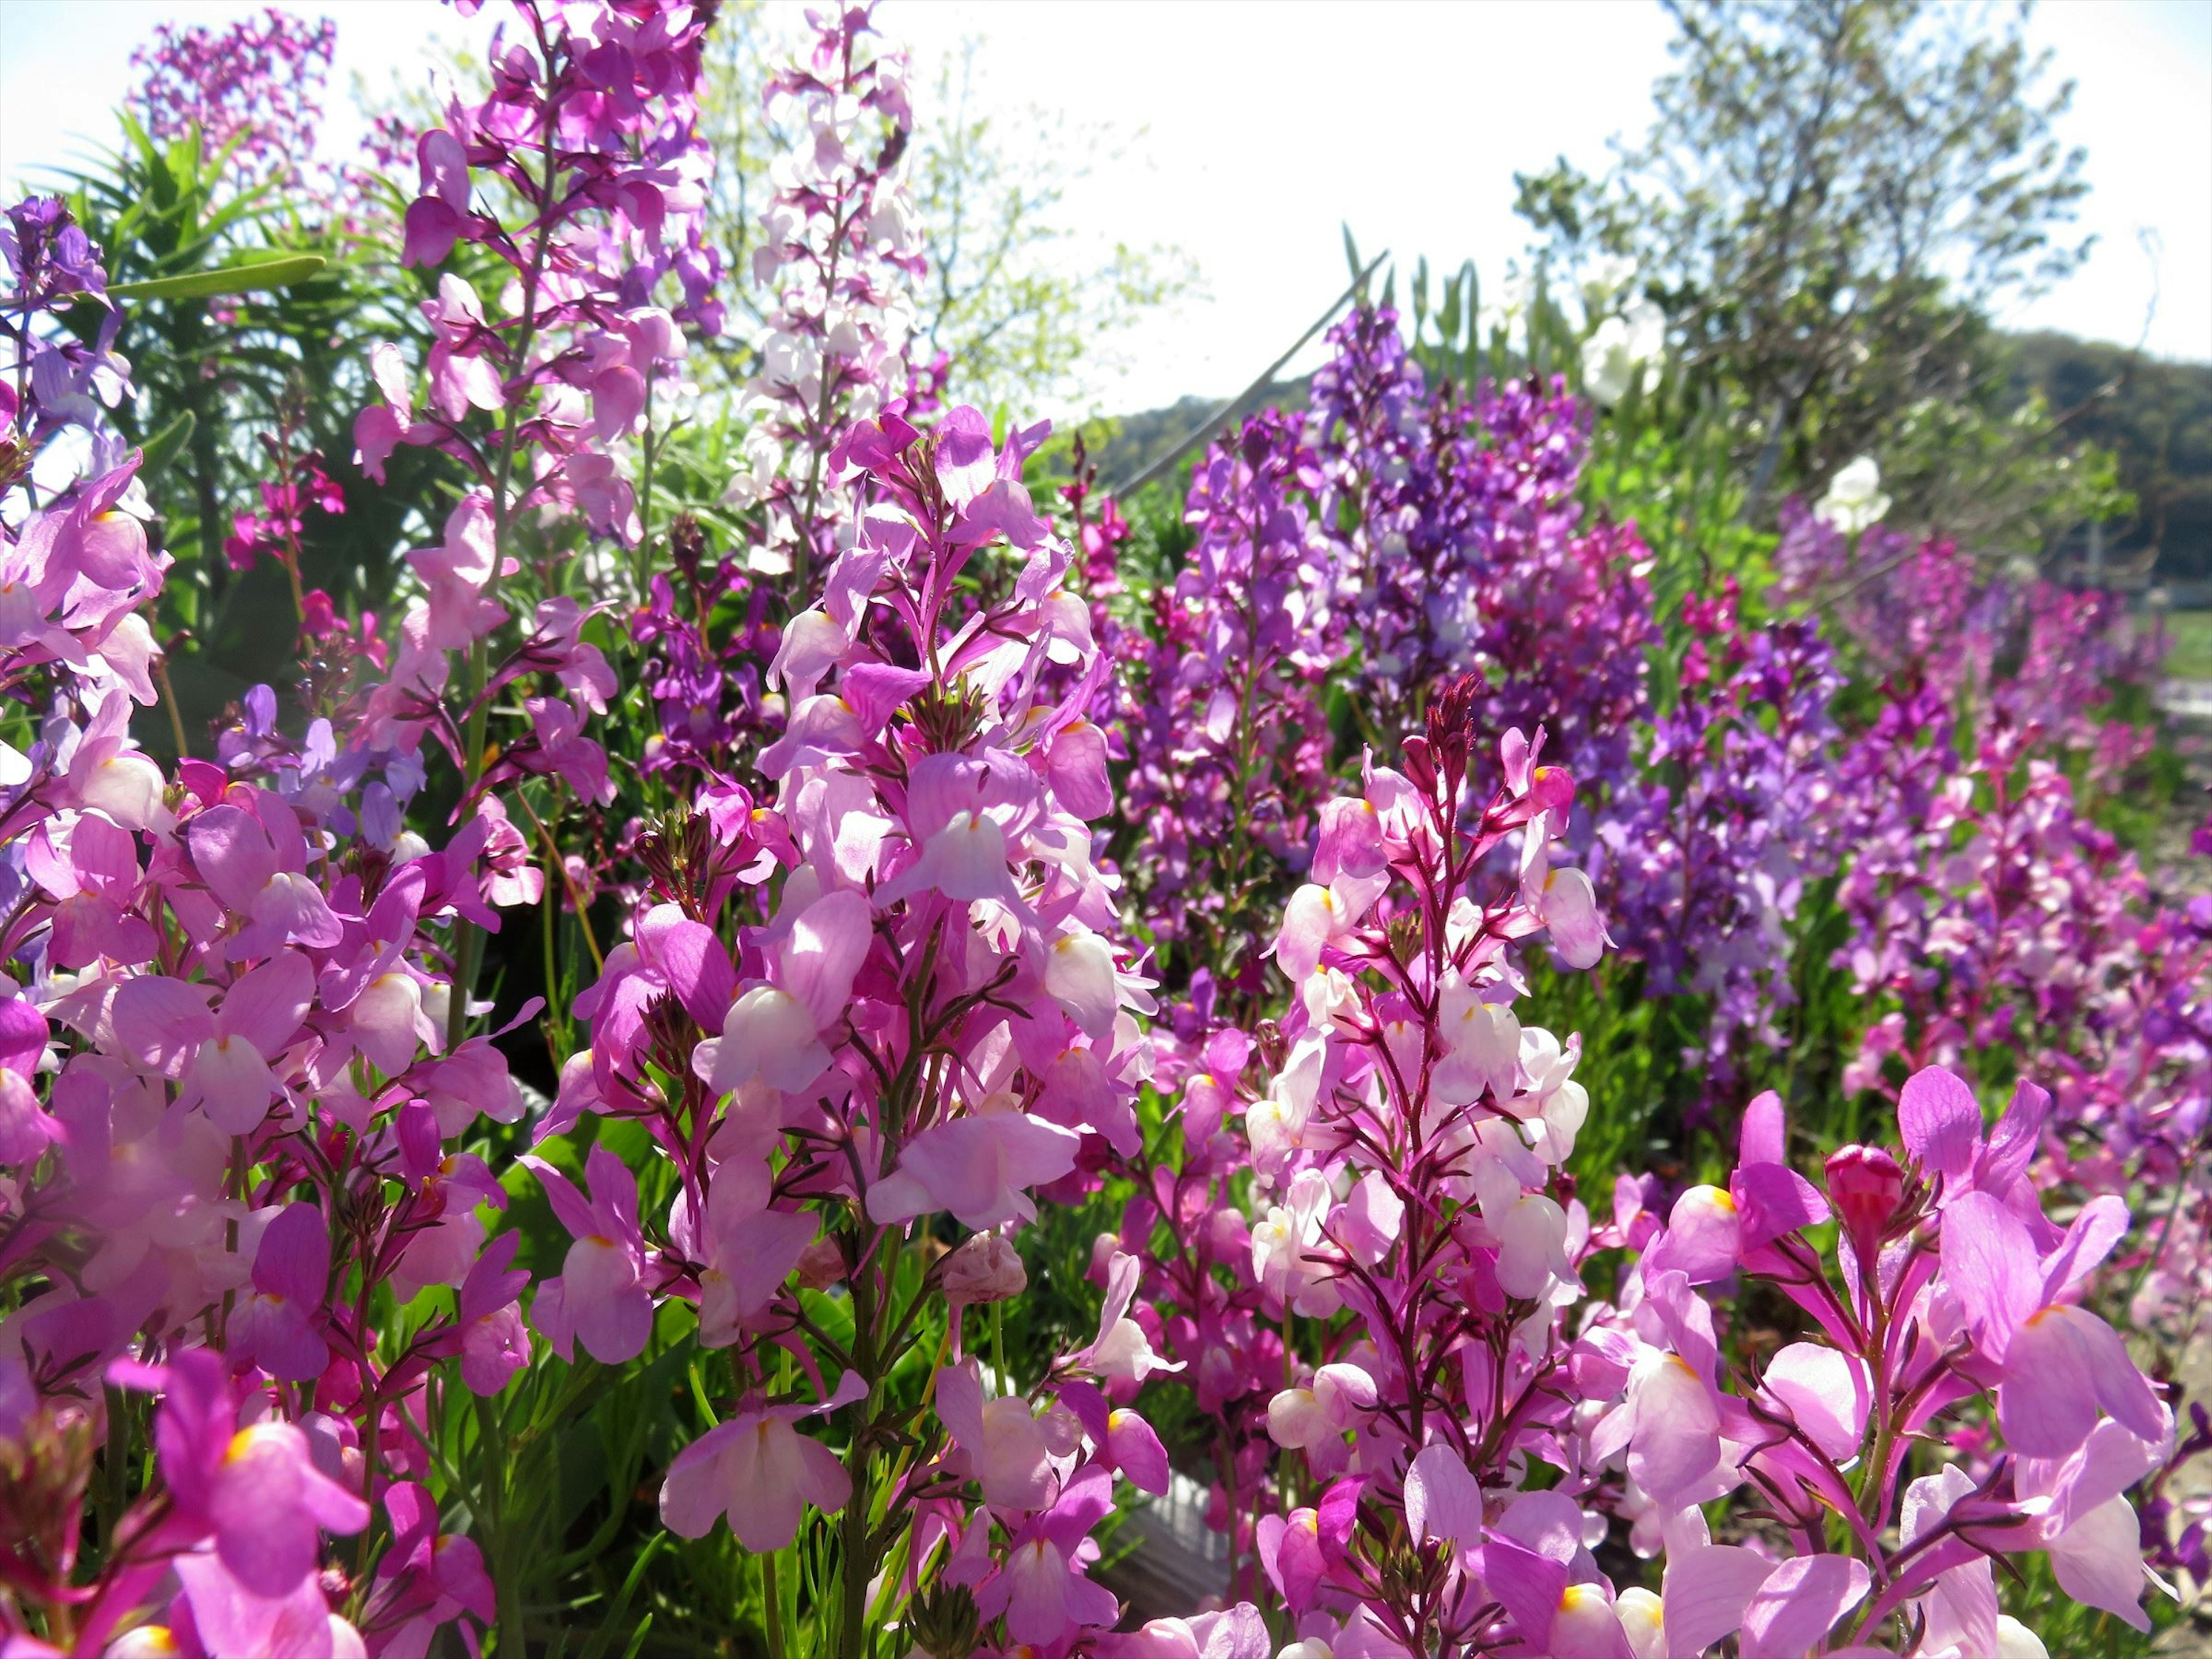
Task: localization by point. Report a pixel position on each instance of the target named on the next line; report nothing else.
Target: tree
(1834, 198)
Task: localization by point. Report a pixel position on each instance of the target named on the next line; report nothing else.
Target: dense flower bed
(941, 884)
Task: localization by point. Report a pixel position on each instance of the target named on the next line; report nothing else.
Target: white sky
(1251, 133)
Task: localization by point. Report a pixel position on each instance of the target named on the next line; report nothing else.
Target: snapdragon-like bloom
(601, 1298)
(760, 1473)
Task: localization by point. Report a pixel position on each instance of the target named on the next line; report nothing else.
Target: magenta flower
(1040, 1588)
(255, 1490)
(494, 1342)
(279, 1327)
(1122, 1441)
(428, 1578)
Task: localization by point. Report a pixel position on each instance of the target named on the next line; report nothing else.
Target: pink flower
(1123, 1351)
(1315, 1419)
(774, 1029)
(222, 1059)
(1009, 1446)
(2056, 1363)
(277, 1327)
(601, 1298)
(978, 1168)
(255, 861)
(1442, 1500)
(750, 1250)
(1942, 1123)
(759, 1472)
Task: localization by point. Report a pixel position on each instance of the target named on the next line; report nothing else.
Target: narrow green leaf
(163, 446)
(229, 279)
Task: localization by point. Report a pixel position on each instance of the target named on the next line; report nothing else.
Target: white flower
(1612, 355)
(1609, 274)
(1513, 299)
(1853, 500)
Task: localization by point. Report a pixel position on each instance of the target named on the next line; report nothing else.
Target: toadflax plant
(316, 1317)
(927, 1020)
(1945, 1283)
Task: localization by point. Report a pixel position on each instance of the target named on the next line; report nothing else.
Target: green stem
(852, 1641)
(772, 1593)
(468, 942)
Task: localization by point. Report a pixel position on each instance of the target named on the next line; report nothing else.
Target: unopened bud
(821, 1265)
(986, 1268)
(1865, 1186)
(942, 1621)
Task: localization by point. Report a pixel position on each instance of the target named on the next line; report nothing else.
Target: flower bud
(986, 1268)
(942, 1621)
(1865, 1186)
(821, 1265)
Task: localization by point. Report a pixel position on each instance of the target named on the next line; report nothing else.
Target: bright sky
(1250, 134)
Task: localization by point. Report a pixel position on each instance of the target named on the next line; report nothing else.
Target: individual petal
(1442, 1500)
(769, 1034)
(1990, 1264)
(2098, 1561)
(696, 1487)
(2063, 1364)
(828, 943)
(1825, 1392)
(1940, 1122)
(1800, 1603)
(1569, 911)
(1704, 1593)
(1078, 976)
(1135, 1450)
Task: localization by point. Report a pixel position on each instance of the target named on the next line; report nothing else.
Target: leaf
(227, 279)
(162, 448)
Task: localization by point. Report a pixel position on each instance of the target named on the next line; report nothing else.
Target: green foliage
(248, 322)
(1834, 194)
(2155, 417)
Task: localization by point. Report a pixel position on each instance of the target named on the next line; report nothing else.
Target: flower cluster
(50, 382)
(230, 1127)
(1229, 743)
(253, 89)
(591, 132)
(931, 1018)
(883, 803)
(1706, 856)
(1468, 550)
(840, 250)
